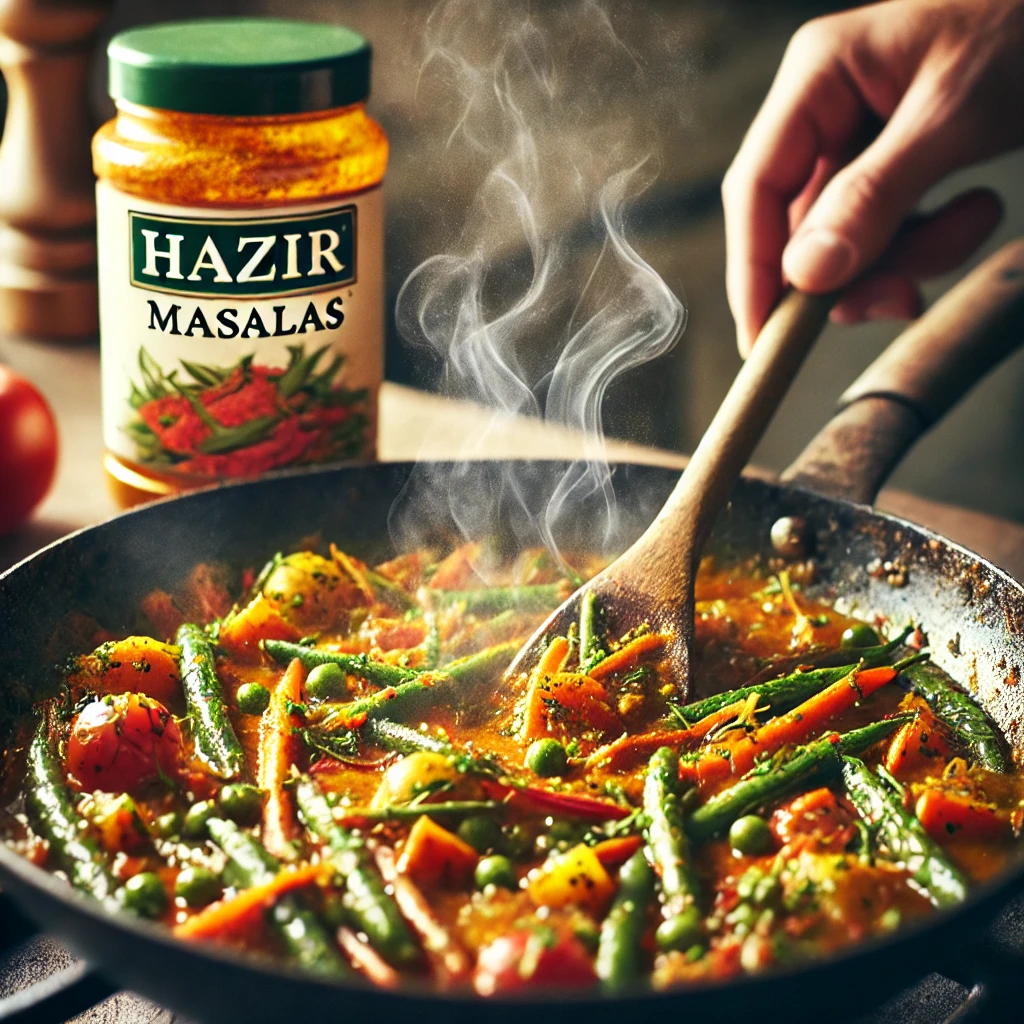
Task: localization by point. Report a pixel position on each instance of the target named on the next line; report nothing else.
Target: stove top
(42, 983)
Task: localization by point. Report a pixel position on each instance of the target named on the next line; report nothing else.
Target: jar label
(235, 342)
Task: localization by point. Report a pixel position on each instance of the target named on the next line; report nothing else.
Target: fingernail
(818, 259)
(886, 309)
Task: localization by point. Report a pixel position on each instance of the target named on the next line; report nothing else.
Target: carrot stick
(629, 751)
(230, 917)
(448, 961)
(534, 722)
(348, 566)
(276, 756)
(613, 853)
(626, 657)
(367, 960)
(796, 726)
(816, 712)
(919, 745)
(946, 816)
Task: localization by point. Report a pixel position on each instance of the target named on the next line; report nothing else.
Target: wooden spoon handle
(744, 414)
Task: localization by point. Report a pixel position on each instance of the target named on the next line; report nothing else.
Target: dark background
(705, 69)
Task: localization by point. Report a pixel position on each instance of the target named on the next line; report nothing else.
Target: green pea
(689, 799)
(750, 835)
(891, 919)
(197, 886)
(252, 699)
(743, 915)
(496, 870)
(680, 932)
(326, 681)
(748, 882)
(241, 802)
(566, 832)
(516, 842)
(168, 825)
(333, 910)
(196, 817)
(546, 757)
(766, 890)
(144, 894)
(483, 834)
(860, 635)
(588, 933)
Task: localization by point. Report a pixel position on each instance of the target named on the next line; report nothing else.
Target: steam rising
(523, 319)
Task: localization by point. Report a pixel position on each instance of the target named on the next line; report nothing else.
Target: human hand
(811, 198)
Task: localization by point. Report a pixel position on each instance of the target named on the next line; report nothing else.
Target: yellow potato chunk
(411, 776)
(311, 592)
(576, 878)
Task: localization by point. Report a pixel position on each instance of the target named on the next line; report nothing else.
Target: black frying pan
(973, 613)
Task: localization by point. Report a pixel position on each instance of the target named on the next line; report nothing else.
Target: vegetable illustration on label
(245, 419)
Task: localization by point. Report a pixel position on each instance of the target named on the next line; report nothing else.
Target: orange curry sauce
(524, 887)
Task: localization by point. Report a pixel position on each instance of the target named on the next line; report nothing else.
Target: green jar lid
(242, 67)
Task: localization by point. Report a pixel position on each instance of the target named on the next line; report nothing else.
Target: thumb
(860, 210)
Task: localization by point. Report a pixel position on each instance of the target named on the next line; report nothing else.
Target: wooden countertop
(413, 425)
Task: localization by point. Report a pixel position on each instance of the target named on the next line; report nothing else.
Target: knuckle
(867, 189)
(814, 37)
(728, 189)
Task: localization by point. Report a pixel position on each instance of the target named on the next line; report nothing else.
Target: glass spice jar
(240, 225)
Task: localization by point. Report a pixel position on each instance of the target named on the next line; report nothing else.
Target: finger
(926, 246)
(880, 296)
(861, 208)
(938, 242)
(811, 110)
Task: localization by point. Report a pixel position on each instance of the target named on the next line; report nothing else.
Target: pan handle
(918, 378)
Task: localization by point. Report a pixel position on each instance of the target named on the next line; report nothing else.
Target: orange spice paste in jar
(240, 223)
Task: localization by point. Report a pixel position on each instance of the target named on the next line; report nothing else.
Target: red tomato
(120, 742)
(28, 449)
(533, 958)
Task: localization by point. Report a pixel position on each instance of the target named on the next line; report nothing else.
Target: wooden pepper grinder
(47, 202)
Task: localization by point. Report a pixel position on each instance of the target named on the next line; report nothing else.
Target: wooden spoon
(653, 581)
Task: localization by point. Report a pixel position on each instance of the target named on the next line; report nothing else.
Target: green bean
(389, 592)
(431, 644)
(789, 689)
(371, 908)
(404, 739)
(769, 781)
(666, 838)
(51, 808)
(970, 726)
(590, 641)
(376, 672)
(543, 597)
(902, 837)
(297, 926)
(418, 690)
(619, 949)
(406, 812)
(214, 738)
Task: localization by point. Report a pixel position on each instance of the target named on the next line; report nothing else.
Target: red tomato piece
(119, 743)
(28, 449)
(533, 958)
(816, 814)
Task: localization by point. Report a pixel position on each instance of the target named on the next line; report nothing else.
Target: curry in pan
(323, 763)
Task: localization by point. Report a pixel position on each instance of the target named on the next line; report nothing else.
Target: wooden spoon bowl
(652, 582)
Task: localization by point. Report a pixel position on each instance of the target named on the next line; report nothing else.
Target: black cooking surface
(989, 986)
